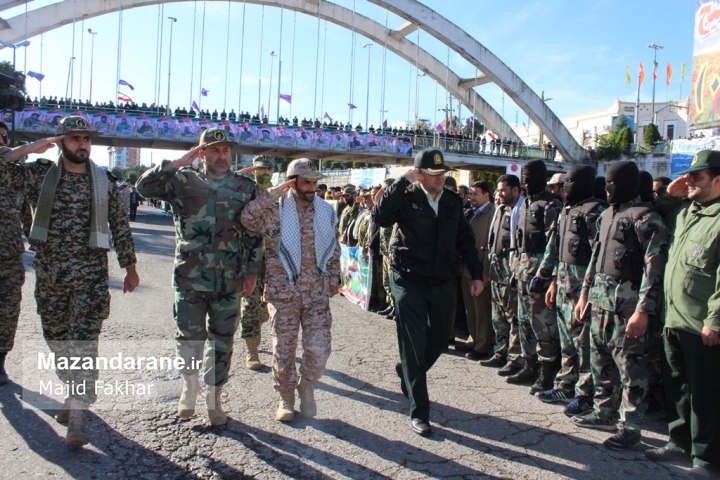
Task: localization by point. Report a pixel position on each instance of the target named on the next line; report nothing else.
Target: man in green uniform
(622, 282)
(692, 320)
(349, 213)
(77, 207)
(216, 262)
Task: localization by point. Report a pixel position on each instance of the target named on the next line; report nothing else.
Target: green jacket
(692, 276)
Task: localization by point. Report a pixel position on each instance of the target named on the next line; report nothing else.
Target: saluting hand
(186, 160)
(39, 146)
(247, 171)
(679, 187)
(379, 194)
(413, 175)
(277, 192)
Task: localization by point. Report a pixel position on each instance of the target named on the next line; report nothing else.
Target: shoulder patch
(43, 161)
(189, 168)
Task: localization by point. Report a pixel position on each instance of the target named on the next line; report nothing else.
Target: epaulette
(43, 161)
(111, 177)
(190, 167)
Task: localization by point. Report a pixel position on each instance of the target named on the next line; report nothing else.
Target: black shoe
(510, 368)
(403, 387)
(386, 311)
(421, 427)
(376, 308)
(527, 375)
(624, 439)
(667, 454)
(464, 346)
(546, 380)
(475, 356)
(497, 360)
(3, 374)
(391, 315)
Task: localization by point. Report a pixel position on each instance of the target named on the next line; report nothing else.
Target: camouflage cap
(213, 136)
(263, 161)
(305, 168)
(348, 191)
(75, 123)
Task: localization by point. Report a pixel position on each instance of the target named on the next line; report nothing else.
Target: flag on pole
(492, 135)
(655, 65)
(123, 82)
(287, 98)
(472, 125)
(627, 73)
(669, 75)
(682, 72)
(124, 98)
(328, 117)
(195, 105)
(641, 76)
(351, 106)
(204, 92)
(385, 123)
(440, 128)
(37, 76)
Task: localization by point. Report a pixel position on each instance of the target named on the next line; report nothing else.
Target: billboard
(705, 82)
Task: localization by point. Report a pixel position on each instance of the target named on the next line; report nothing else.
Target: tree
(651, 135)
(477, 128)
(625, 138)
(118, 172)
(608, 147)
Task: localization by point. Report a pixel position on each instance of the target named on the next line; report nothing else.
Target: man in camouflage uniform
(302, 273)
(622, 283)
(77, 203)
(253, 310)
(386, 235)
(538, 323)
(216, 262)
(567, 256)
(503, 298)
(349, 213)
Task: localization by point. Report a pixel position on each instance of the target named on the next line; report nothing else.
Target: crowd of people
(598, 293)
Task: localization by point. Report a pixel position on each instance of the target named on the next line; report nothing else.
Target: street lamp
(170, 61)
(272, 60)
(367, 99)
(24, 43)
(655, 48)
(92, 58)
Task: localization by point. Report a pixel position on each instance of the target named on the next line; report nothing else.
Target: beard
(308, 196)
(74, 157)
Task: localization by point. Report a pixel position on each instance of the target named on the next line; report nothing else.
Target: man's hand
(637, 325)
(379, 195)
(132, 280)
(39, 146)
(710, 337)
(186, 160)
(580, 307)
(249, 284)
(413, 175)
(334, 290)
(550, 294)
(248, 170)
(277, 192)
(486, 281)
(476, 288)
(679, 187)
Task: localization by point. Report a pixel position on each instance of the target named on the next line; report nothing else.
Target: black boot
(546, 380)
(3, 374)
(528, 374)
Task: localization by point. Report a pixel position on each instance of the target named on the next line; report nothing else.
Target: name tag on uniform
(695, 252)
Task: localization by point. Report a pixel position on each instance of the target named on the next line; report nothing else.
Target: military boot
(213, 404)
(3, 374)
(528, 374)
(306, 392)
(63, 415)
(286, 409)
(77, 421)
(546, 380)
(252, 356)
(188, 397)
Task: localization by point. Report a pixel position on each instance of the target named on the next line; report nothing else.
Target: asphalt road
(483, 427)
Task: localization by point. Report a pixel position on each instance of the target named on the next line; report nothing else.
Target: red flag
(669, 75)
(641, 75)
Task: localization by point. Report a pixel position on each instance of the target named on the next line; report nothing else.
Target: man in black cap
(623, 283)
(538, 323)
(432, 237)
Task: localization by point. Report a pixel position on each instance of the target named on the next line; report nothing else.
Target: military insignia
(695, 252)
(80, 123)
(219, 135)
(624, 224)
(694, 160)
(437, 159)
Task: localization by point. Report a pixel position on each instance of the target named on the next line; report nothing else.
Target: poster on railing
(102, 122)
(683, 151)
(145, 127)
(266, 136)
(705, 67)
(124, 125)
(32, 120)
(205, 124)
(303, 138)
(247, 134)
(367, 176)
(404, 146)
(356, 276)
(389, 144)
(284, 137)
(52, 120)
(187, 130)
(321, 140)
(166, 129)
(229, 128)
(339, 141)
(373, 143)
(356, 142)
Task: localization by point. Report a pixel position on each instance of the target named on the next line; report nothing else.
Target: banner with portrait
(145, 127)
(303, 138)
(103, 122)
(321, 140)
(229, 128)
(187, 130)
(266, 136)
(356, 142)
(247, 134)
(124, 125)
(32, 120)
(166, 128)
(52, 120)
(705, 81)
(284, 137)
(339, 141)
(356, 276)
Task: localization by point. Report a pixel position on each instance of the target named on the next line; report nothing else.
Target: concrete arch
(56, 15)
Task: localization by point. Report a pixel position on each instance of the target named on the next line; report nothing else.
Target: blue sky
(574, 51)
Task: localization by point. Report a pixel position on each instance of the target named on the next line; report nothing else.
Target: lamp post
(92, 58)
(542, 97)
(367, 100)
(655, 48)
(272, 60)
(170, 61)
(382, 114)
(14, 47)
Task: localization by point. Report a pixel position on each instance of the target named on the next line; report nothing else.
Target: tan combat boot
(188, 397)
(306, 392)
(62, 415)
(213, 403)
(252, 357)
(286, 409)
(76, 433)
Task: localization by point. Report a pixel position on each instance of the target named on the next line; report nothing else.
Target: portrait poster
(389, 144)
(187, 130)
(204, 124)
(339, 141)
(32, 120)
(144, 127)
(404, 146)
(356, 142)
(52, 120)
(356, 276)
(303, 138)
(284, 137)
(373, 143)
(124, 125)
(705, 80)
(266, 135)
(229, 128)
(321, 140)
(246, 134)
(103, 122)
(166, 128)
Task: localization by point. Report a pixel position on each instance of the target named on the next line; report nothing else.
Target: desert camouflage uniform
(12, 270)
(213, 255)
(71, 287)
(620, 363)
(575, 373)
(305, 304)
(125, 196)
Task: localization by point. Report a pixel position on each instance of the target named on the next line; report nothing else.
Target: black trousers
(692, 393)
(424, 315)
(133, 212)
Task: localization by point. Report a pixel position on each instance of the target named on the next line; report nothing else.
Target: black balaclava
(646, 187)
(535, 177)
(626, 177)
(599, 189)
(579, 184)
